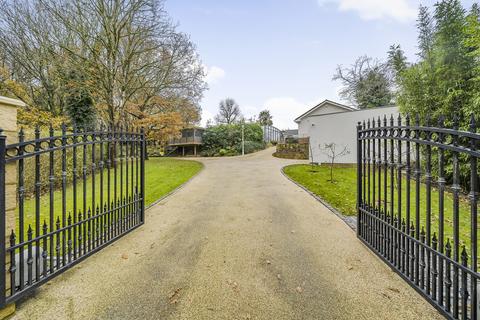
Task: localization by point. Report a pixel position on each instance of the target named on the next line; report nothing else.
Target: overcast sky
(281, 54)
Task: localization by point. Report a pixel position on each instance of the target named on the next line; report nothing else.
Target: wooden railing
(185, 140)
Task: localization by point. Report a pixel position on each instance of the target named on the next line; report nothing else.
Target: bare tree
(330, 150)
(368, 83)
(228, 112)
(129, 51)
(30, 57)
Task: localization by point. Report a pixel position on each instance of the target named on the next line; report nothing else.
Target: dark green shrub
(251, 146)
(229, 138)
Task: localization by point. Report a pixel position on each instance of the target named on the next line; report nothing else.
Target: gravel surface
(239, 241)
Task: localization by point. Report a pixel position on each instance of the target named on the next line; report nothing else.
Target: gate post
(359, 176)
(8, 193)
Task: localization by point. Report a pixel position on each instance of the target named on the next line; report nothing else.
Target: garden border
(350, 221)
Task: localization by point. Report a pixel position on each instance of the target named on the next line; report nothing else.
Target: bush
(251, 146)
(226, 139)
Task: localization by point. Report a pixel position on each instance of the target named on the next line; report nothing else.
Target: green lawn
(342, 196)
(162, 175)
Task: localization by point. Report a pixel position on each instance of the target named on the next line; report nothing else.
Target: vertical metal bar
(369, 165)
(393, 238)
(374, 208)
(407, 191)
(379, 161)
(359, 177)
(74, 189)
(126, 136)
(94, 191)
(385, 164)
(3, 225)
(38, 184)
(448, 276)
(422, 259)
(374, 163)
(132, 162)
(58, 244)
(13, 269)
(434, 270)
(441, 218)
(385, 132)
(115, 183)
(456, 225)
(89, 230)
(417, 173)
(51, 179)
(379, 188)
(464, 292)
(21, 218)
(142, 178)
(64, 193)
(428, 199)
(84, 180)
(29, 256)
(45, 249)
(69, 238)
(109, 165)
(473, 197)
(121, 137)
(101, 167)
(364, 163)
(401, 248)
(95, 227)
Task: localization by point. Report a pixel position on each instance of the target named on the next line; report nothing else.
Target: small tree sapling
(330, 150)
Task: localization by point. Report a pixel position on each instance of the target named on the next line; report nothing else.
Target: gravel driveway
(239, 241)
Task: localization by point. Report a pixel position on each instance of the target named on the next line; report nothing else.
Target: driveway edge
(350, 221)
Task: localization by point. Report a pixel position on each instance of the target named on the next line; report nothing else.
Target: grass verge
(162, 175)
(341, 194)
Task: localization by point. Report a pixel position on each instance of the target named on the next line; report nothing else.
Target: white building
(330, 121)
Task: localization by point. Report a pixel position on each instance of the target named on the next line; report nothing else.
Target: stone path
(239, 241)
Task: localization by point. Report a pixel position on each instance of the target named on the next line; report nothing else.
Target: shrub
(251, 146)
(226, 139)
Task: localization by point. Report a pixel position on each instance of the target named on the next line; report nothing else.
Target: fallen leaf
(299, 289)
(394, 289)
(174, 295)
(124, 256)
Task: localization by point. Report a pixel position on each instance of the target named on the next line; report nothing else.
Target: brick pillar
(8, 123)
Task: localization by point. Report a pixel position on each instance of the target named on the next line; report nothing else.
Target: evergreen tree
(265, 118)
(441, 82)
(79, 104)
(397, 60)
(425, 32)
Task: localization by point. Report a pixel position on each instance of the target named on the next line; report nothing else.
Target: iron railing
(76, 193)
(417, 206)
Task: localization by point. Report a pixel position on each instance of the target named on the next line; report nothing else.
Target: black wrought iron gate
(75, 192)
(418, 204)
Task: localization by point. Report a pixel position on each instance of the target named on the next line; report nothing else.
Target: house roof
(321, 105)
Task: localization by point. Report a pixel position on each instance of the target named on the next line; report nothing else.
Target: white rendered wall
(340, 128)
